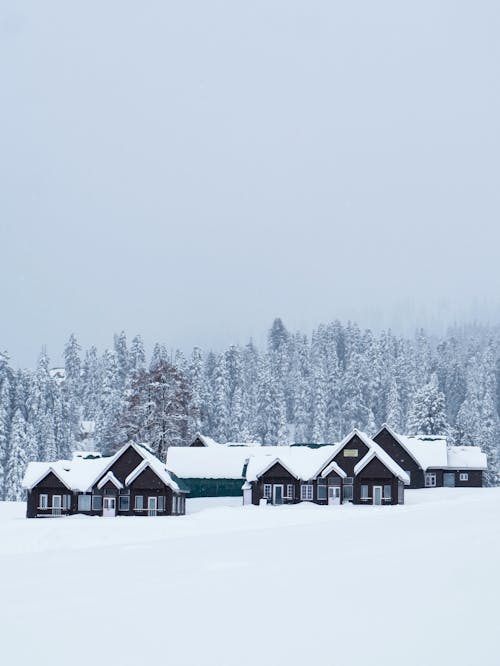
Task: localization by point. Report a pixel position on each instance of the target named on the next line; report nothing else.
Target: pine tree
(16, 462)
(122, 359)
(221, 400)
(428, 415)
(5, 423)
(137, 356)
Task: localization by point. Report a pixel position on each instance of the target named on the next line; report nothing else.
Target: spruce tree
(16, 462)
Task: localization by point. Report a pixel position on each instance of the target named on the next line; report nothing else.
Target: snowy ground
(278, 586)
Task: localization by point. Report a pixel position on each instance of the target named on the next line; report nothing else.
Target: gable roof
(426, 450)
(333, 467)
(38, 472)
(378, 452)
(433, 452)
(112, 478)
(336, 448)
(255, 471)
(82, 474)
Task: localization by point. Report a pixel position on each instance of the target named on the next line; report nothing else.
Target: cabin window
(350, 453)
(322, 489)
(289, 491)
(96, 503)
(430, 480)
(183, 504)
(139, 502)
(464, 476)
(387, 492)
(124, 503)
(44, 502)
(348, 494)
(84, 502)
(306, 492)
(66, 502)
(401, 491)
(268, 491)
(161, 504)
(364, 493)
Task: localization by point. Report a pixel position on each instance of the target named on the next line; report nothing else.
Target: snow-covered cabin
(430, 462)
(355, 470)
(132, 482)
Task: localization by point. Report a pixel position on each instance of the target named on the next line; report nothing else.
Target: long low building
(211, 469)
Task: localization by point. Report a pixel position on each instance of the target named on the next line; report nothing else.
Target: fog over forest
(294, 388)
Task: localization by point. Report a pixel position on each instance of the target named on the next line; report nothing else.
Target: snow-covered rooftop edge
(81, 474)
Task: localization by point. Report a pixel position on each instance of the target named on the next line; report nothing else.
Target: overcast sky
(190, 170)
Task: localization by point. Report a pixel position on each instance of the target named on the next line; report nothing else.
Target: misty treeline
(296, 389)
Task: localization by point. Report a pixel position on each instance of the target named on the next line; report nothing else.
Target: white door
(278, 494)
(152, 506)
(56, 505)
(333, 494)
(109, 507)
(377, 494)
(247, 496)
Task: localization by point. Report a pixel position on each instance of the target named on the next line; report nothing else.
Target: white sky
(190, 170)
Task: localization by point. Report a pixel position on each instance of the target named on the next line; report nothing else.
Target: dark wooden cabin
(133, 482)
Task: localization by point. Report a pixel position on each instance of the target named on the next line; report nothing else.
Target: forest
(296, 388)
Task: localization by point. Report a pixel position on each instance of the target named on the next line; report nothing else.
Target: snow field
(229, 585)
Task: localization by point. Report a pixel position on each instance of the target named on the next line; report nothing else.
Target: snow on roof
(302, 462)
(427, 450)
(207, 441)
(212, 462)
(81, 474)
(211, 443)
(333, 467)
(110, 477)
(250, 444)
(86, 454)
(466, 457)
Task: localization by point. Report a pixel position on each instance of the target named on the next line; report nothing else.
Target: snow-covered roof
(427, 450)
(301, 461)
(87, 454)
(250, 444)
(209, 442)
(433, 452)
(333, 467)
(212, 462)
(109, 476)
(466, 457)
(81, 474)
(378, 452)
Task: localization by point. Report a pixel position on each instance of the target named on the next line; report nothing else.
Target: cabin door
(377, 494)
(56, 505)
(277, 494)
(151, 506)
(109, 507)
(333, 494)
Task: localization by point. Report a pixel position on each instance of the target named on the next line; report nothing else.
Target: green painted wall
(214, 487)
